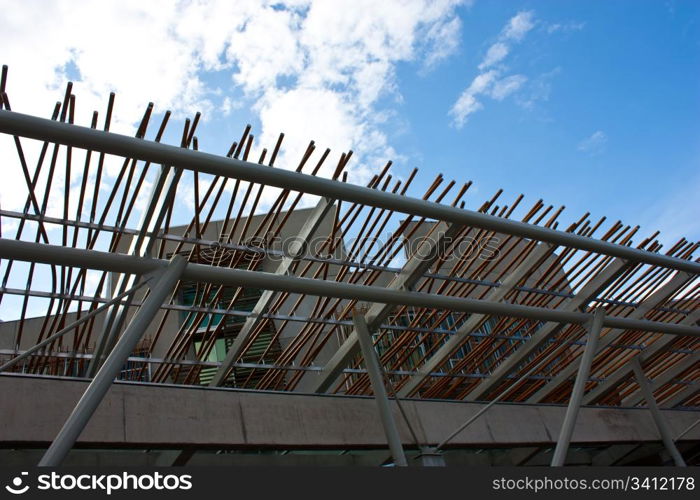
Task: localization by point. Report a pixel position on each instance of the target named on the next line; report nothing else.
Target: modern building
(232, 324)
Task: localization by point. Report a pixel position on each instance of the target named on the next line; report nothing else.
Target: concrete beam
(160, 417)
(679, 398)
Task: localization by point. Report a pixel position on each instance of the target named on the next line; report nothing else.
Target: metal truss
(513, 325)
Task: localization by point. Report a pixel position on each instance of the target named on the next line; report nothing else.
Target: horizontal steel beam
(131, 147)
(241, 313)
(115, 262)
(63, 355)
(280, 254)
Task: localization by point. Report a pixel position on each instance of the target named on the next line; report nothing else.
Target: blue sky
(626, 73)
(606, 120)
(589, 104)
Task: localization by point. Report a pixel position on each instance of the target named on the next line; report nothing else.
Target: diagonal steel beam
(659, 420)
(374, 370)
(487, 407)
(584, 369)
(663, 379)
(639, 452)
(687, 430)
(475, 320)
(99, 386)
(516, 456)
(618, 376)
(174, 458)
(295, 251)
(547, 331)
(654, 300)
(612, 454)
(106, 261)
(418, 264)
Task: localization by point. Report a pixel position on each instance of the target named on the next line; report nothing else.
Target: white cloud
(332, 118)
(489, 81)
(228, 105)
(594, 144)
(506, 86)
(465, 106)
(264, 48)
(565, 27)
(315, 70)
(539, 89)
(518, 26)
(496, 53)
(487, 84)
(443, 38)
(482, 82)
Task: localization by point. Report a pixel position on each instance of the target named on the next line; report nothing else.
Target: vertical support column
(584, 370)
(614, 379)
(431, 457)
(548, 330)
(377, 381)
(654, 300)
(99, 386)
(665, 432)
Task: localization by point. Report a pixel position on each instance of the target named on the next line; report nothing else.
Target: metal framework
(486, 305)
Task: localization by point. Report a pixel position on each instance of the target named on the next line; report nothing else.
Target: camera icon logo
(16, 487)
